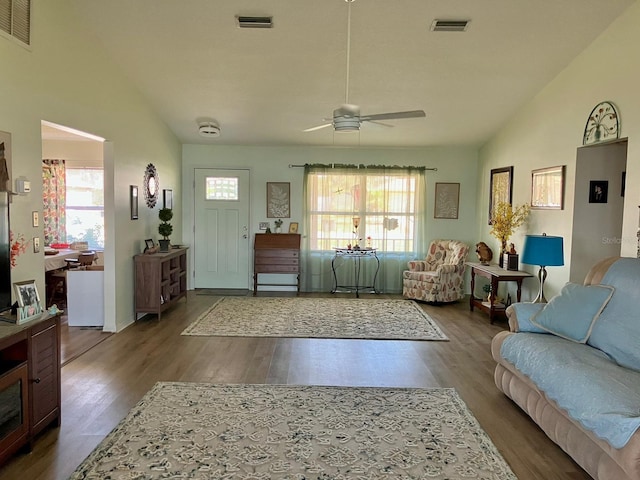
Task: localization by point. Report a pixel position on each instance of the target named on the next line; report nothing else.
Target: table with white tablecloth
(57, 261)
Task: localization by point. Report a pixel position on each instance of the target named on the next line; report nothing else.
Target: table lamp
(544, 251)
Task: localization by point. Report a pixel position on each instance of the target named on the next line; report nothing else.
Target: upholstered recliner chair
(439, 277)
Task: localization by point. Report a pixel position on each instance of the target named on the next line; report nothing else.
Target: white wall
(548, 130)
(271, 164)
(65, 79)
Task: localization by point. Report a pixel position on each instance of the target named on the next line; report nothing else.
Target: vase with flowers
(278, 224)
(505, 219)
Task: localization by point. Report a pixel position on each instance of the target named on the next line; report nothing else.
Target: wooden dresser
(161, 280)
(276, 253)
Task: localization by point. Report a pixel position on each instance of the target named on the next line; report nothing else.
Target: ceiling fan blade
(378, 123)
(313, 129)
(393, 115)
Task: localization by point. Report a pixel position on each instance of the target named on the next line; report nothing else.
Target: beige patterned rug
(262, 432)
(304, 317)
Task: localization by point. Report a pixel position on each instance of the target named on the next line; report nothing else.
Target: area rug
(305, 317)
(262, 432)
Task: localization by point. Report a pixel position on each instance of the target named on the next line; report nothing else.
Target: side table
(356, 256)
(495, 274)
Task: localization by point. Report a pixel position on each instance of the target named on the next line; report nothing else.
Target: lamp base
(542, 276)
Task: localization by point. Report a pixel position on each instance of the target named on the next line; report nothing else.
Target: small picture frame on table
(29, 304)
(293, 227)
(150, 246)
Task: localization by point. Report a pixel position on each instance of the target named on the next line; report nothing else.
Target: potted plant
(278, 224)
(165, 228)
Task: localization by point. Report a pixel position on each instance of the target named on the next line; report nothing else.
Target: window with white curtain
(386, 204)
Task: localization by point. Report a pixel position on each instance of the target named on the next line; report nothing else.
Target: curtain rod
(345, 165)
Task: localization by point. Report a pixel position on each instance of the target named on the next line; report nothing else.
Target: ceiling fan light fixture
(209, 130)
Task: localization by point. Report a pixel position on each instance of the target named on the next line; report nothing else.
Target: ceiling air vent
(255, 22)
(449, 25)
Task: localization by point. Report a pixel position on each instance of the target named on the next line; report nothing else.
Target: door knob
(244, 236)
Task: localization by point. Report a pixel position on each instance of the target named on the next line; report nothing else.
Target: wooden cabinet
(29, 381)
(160, 280)
(276, 253)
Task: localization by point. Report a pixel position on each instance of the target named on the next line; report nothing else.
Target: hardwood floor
(100, 386)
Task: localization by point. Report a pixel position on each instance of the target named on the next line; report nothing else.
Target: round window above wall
(151, 185)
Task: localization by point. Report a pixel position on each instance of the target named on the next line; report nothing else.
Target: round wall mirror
(151, 185)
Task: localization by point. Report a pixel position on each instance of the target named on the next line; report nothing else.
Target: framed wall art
(133, 199)
(167, 198)
(447, 200)
(598, 191)
(547, 188)
(278, 200)
(500, 187)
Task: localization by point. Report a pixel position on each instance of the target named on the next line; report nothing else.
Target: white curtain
(388, 203)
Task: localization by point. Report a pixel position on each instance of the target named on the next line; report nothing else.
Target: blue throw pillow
(572, 313)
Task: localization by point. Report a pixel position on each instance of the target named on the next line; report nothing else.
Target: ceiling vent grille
(15, 19)
(450, 25)
(255, 22)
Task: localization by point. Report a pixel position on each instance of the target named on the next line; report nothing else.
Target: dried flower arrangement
(505, 220)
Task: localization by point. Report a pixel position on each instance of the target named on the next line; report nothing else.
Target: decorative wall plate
(151, 185)
(602, 125)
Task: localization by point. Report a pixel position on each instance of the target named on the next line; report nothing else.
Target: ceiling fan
(347, 117)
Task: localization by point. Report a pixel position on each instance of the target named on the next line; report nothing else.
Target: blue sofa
(573, 365)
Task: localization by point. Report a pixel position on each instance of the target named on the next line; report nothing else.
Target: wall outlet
(264, 225)
(36, 244)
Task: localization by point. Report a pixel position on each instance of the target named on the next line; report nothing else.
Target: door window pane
(221, 188)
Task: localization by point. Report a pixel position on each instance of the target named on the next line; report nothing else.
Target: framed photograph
(278, 200)
(547, 188)
(293, 227)
(598, 190)
(133, 198)
(148, 243)
(167, 198)
(27, 293)
(447, 200)
(500, 187)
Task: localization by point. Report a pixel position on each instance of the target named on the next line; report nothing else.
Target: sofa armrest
(519, 315)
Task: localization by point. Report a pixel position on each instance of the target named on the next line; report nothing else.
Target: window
(381, 203)
(221, 188)
(85, 206)
(388, 205)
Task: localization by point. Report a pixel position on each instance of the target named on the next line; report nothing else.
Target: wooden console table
(160, 280)
(29, 381)
(496, 275)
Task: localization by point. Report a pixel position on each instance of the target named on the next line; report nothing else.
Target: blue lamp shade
(543, 250)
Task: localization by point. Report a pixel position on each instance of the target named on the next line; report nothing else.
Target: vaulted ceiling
(264, 86)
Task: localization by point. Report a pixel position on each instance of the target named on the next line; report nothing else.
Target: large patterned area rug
(305, 317)
(262, 432)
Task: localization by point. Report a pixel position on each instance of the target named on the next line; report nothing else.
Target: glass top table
(355, 256)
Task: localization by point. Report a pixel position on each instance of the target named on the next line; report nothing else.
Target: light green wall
(65, 79)
(548, 130)
(271, 164)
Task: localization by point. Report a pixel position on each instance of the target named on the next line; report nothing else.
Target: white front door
(221, 237)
